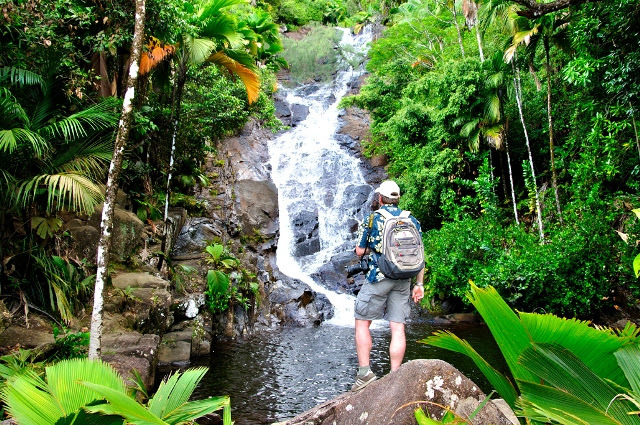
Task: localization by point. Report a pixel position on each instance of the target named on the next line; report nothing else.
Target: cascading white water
(314, 173)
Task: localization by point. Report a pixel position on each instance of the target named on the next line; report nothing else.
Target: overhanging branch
(535, 10)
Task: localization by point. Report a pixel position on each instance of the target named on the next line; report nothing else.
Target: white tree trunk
(513, 191)
(479, 39)
(518, 89)
(106, 224)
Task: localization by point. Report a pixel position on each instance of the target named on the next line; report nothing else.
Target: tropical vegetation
(564, 370)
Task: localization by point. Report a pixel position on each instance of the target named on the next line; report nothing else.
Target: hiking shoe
(363, 380)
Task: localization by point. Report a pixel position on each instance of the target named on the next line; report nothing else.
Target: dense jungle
(509, 125)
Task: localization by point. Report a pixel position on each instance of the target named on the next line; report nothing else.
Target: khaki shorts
(386, 299)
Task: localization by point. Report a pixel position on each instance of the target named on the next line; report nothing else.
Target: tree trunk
(479, 39)
(635, 130)
(175, 119)
(106, 224)
(455, 21)
(554, 175)
(518, 89)
(513, 191)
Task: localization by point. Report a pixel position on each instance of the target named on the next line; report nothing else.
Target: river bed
(277, 375)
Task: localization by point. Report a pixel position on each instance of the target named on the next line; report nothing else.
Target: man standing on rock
(380, 296)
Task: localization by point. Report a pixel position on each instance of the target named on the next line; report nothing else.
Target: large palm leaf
(570, 393)
(59, 399)
(170, 405)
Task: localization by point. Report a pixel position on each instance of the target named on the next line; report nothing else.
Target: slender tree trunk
(513, 191)
(554, 175)
(518, 89)
(106, 224)
(175, 119)
(635, 129)
(455, 21)
(479, 39)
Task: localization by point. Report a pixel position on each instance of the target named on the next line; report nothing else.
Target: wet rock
(26, 338)
(126, 233)
(305, 233)
(294, 303)
(257, 204)
(147, 302)
(129, 350)
(188, 306)
(391, 400)
(298, 113)
(85, 242)
(195, 235)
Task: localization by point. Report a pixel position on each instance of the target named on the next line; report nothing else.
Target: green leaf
(636, 211)
(636, 265)
(217, 281)
(629, 360)
(120, 403)
(175, 391)
(561, 369)
(215, 251)
(561, 407)
(423, 419)
(196, 409)
(449, 341)
(509, 332)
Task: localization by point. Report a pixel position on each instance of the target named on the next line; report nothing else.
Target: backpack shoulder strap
(384, 213)
(405, 214)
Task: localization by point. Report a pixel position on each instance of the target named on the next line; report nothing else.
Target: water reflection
(275, 376)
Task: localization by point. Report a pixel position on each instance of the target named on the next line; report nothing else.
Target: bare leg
(397, 346)
(363, 341)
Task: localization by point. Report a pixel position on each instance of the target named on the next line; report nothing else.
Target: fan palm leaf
(211, 8)
(590, 395)
(33, 401)
(175, 391)
(629, 360)
(223, 27)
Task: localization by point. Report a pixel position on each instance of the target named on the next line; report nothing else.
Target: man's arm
(418, 289)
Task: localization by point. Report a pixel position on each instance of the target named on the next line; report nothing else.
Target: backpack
(402, 251)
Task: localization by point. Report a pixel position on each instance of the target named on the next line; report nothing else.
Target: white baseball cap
(389, 189)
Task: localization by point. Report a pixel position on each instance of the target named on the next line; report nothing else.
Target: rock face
(391, 400)
(126, 232)
(294, 303)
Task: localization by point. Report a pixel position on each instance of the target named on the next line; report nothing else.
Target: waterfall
(316, 177)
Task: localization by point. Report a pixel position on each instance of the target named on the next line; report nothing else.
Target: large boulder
(126, 233)
(294, 303)
(432, 385)
(127, 351)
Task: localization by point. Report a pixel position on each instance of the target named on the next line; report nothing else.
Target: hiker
(380, 296)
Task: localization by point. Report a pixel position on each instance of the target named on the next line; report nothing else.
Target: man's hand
(418, 293)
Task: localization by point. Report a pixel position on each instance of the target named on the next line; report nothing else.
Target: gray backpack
(402, 251)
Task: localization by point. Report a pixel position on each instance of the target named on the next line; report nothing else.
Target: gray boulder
(294, 303)
(126, 233)
(391, 400)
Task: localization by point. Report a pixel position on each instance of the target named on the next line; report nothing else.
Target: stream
(276, 375)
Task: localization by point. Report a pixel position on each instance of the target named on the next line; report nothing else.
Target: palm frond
(195, 409)
(198, 49)
(492, 108)
(629, 360)
(156, 52)
(88, 157)
(540, 397)
(121, 404)
(175, 391)
(213, 7)
(97, 117)
(11, 112)
(509, 332)
(449, 341)
(223, 27)
(70, 189)
(11, 139)
(20, 77)
(561, 369)
(594, 347)
(250, 78)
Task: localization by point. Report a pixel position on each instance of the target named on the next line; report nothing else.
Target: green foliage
(70, 345)
(298, 13)
(316, 57)
(565, 370)
(228, 282)
(90, 391)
